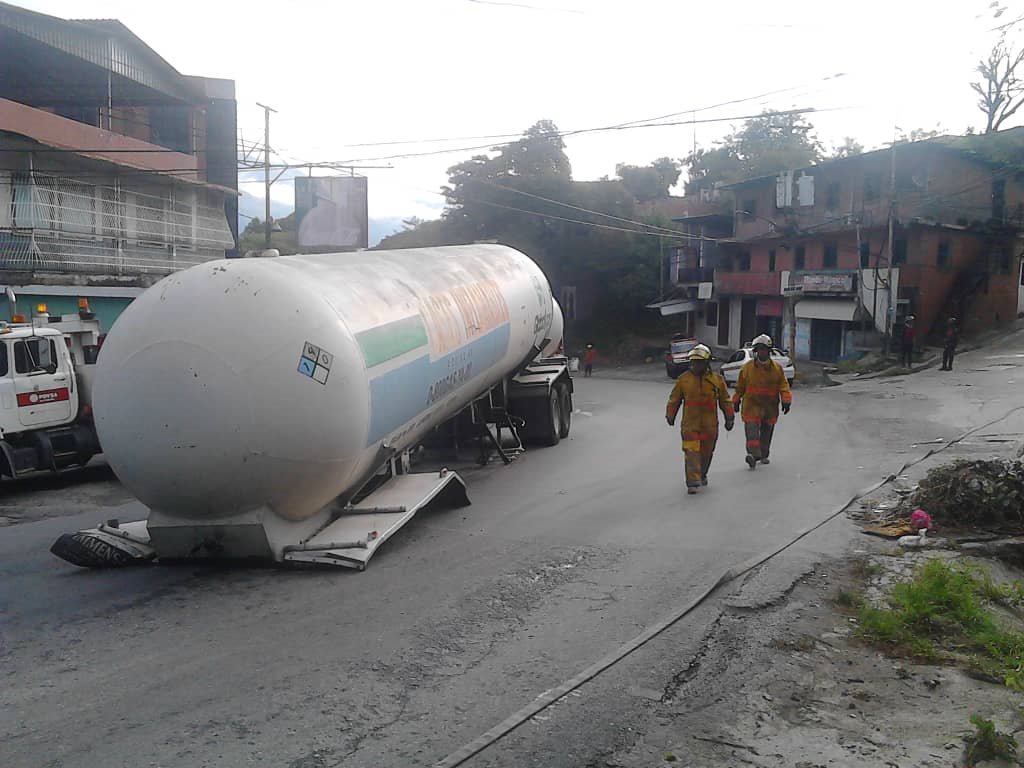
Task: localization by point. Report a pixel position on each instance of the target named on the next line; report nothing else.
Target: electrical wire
(609, 216)
(677, 235)
(563, 134)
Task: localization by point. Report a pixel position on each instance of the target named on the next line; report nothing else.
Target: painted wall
(803, 338)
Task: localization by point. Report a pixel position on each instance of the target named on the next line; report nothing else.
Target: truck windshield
(35, 355)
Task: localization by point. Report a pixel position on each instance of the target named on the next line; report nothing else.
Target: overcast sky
(356, 71)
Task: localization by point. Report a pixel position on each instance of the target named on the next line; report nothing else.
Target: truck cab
(45, 421)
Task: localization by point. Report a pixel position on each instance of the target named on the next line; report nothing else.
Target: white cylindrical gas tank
(273, 383)
(556, 332)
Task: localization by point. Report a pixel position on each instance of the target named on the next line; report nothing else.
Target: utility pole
(266, 171)
(889, 246)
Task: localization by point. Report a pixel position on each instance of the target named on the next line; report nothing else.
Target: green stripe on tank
(388, 341)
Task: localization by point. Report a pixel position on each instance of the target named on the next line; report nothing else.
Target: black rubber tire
(790, 382)
(565, 406)
(552, 419)
(671, 372)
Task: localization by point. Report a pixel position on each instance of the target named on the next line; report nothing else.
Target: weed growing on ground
(944, 610)
(986, 743)
(846, 598)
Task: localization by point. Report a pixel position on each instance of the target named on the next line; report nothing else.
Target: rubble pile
(973, 493)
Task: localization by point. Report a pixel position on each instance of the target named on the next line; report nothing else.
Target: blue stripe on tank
(399, 396)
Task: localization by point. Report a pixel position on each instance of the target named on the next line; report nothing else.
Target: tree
(920, 134)
(1001, 87)
(849, 148)
(650, 182)
(764, 145)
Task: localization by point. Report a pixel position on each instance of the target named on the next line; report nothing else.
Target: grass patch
(987, 743)
(944, 614)
(846, 598)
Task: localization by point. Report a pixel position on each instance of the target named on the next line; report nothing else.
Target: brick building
(115, 169)
(808, 259)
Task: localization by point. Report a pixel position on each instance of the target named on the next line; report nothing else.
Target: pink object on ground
(920, 519)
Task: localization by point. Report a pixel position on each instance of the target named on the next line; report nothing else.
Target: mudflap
(109, 545)
(353, 537)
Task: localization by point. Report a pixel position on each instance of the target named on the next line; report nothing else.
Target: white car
(731, 367)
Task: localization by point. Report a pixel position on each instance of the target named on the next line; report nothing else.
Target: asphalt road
(460, 619)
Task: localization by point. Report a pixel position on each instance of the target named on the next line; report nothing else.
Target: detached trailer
(265, 408)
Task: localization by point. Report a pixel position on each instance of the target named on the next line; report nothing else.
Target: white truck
(46, 373)
(266, 408)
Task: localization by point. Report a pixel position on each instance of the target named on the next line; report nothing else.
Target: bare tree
(1001, 88)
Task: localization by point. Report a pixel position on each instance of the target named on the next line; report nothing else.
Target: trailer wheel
(553, 419)
(565, 406)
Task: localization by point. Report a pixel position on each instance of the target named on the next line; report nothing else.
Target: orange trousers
(698, 458)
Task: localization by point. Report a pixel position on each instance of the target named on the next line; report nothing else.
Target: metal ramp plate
(109, 545)
(351, 540)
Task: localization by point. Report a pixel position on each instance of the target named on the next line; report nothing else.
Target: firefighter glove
(786, 407)
(729, 423)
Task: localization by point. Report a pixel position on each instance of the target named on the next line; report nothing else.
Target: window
(999, 199)
(743, 262)
(35, 355)
(872, 187)
(865, 254)
(3, 359)
(832, 196)
(831, 257)
(750, 208)
(800, 258)
(771, 260)
(899, 251)
(711, 312)
(1004, 261)
(942, 256)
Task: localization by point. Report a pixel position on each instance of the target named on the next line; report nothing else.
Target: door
(826, 340)
(42, 381)
(748, 320)
(723, 323)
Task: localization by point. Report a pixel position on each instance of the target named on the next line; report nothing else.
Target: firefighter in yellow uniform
(761, 387)
(700, 393)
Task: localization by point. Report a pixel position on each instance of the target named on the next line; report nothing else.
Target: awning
(674, 306)
(827, 309)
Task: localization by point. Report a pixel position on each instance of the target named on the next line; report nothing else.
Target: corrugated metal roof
(106, 43)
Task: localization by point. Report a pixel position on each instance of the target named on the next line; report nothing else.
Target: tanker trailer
(248, 403)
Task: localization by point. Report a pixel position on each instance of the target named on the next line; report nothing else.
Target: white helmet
(700, 352)
(764, 338)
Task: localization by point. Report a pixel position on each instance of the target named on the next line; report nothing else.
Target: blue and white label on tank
(400, 395)
(315, 362)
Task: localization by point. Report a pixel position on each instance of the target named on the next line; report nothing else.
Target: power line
(677, 235)
(519, 134)
(562, 134)
(673, 232)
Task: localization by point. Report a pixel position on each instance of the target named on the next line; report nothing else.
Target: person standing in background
(949, 342)
(909, 334)
(589, 357)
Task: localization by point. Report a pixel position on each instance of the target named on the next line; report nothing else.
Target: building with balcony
(115, 169)
(809, 259)
(689, 267)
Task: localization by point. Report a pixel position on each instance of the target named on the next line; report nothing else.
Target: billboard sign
(331, 212)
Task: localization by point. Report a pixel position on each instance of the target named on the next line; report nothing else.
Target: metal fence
(60, 224)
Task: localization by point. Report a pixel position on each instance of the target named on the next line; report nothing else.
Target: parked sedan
(677, 359)
(731, 368)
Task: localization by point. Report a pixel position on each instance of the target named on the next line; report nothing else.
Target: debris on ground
(973, 494)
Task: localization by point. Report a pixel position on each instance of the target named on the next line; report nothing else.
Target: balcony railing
(748, 283)
(689, 275)
(61, 224)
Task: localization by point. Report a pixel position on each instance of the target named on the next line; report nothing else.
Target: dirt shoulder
(790, 684)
